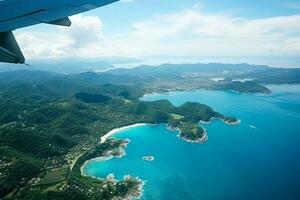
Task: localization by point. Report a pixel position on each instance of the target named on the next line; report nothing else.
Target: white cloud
(197, 33)
(84, 38)
(185, 33)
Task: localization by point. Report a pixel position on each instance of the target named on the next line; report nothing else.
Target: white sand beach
(114, 131)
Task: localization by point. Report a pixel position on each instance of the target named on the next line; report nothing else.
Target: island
(148, 158)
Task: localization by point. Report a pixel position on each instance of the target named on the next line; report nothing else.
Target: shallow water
(258, 159)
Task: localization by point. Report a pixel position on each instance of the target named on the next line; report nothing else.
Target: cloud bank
(188, 32)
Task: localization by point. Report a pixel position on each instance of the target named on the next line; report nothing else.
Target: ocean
(257, 159)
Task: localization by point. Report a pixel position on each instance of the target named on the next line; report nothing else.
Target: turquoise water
(258, 159)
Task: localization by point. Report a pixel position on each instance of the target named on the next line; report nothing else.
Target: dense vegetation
(92, 98)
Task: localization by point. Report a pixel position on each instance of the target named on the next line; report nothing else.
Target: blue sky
(143, 9)
(254, 31)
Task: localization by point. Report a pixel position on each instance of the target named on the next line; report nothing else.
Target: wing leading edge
(16, 14)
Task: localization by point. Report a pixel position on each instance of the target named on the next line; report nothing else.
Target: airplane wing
(16, 14)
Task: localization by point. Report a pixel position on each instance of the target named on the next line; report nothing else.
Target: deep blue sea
(256, 160)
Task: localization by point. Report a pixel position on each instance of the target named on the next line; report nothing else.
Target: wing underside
(16, 14)
(10, 51)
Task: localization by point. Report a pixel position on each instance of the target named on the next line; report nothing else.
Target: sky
(158, 31)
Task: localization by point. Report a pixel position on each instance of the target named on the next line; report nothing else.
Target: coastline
(103, 140)
(103, 158)
(108, 156)
(135, 194)
(237, 122)
(116, 130)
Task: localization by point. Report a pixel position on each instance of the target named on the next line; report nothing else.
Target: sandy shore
(114, 131)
